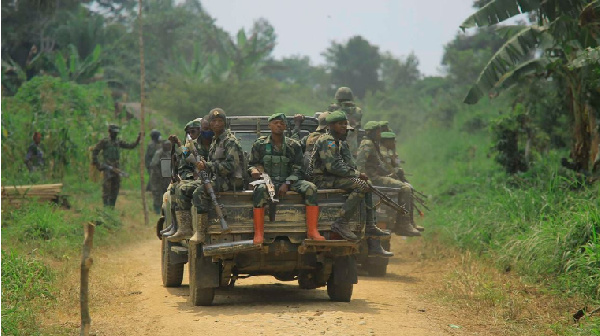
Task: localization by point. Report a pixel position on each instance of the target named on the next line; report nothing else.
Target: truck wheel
(377, 269)
(345, 269)
(199, 296)
(339, 292)
(172, 273)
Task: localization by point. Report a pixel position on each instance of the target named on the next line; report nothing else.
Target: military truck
(286, 254)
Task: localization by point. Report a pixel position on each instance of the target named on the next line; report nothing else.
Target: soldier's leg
(184, 194)
(260, 197)
(156, 201)
(341, 225)
(309, 191)
(115, 184)
(106, 185)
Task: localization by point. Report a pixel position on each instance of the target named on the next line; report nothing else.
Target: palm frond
(534, 66)
(514, 51)
(497, 11)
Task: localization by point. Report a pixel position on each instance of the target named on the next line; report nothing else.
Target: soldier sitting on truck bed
(332, 166)
(281, 158)
(369, 160)
(225, 163)
(185, 188)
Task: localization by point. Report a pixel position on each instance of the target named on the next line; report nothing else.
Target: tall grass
(542, 224)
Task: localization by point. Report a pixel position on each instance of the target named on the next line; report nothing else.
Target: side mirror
(165, 167)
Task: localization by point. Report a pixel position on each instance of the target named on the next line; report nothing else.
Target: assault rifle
(266, 180)
(114, 170)
(385, 199)
(207, 184)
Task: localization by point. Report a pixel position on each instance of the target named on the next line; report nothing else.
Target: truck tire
(377, 269)
(342, 279)
(199, 295)
(172, 273)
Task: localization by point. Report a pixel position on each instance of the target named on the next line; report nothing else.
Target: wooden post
(86, 264)
(142, 116)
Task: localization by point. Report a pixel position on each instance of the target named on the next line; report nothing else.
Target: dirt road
(128, 299)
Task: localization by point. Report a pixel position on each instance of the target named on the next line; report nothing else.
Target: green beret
(388, 135)
(276, 116)
(336, 116)
(371, 125)
(384, 123)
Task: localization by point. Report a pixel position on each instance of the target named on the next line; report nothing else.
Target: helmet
(344, 93)
(217, 113)
(114, 128)
(371, 125)
(333, 107)
(322, 121)
(193, 124)
(155, 134)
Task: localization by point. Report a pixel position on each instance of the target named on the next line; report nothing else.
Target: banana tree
(563, 30)
(76, 69)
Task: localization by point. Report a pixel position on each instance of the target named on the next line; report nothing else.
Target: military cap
(193, 124)
(322, 120)
(371, 125)
(277, 116)
(114, 128)
(217, 113)
(336, 116)
(388, 135)
(384, 123)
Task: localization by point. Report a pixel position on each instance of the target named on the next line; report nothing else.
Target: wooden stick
(142, 116)
(86, 264)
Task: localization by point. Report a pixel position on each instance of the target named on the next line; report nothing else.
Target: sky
(307, 27)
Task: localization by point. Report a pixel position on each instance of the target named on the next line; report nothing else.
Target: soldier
(153, 146)
(345, 102)
(385, 126)
(184, 190)
(369, 160)
(34, 159)
(308, 142)
(159, 184)
(110, 148)
(332, 166)
(388, 151)
(281, 158)
(225, 163)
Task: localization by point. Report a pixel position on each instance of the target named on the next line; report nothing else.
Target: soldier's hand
(174, 139)
(363, 176)
(298, 118)
(283, 190)
(255, 174)
(139, 137)
(200, 165)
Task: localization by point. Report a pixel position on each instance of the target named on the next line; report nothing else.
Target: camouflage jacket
(185, 168)
(308, 142)
(282, 164)
(150, 150)
(111, 151)
(369, 159)
(333, 158)
(353, 112)
(225, 157)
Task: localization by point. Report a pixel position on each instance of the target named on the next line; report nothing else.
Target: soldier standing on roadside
(111, 150)
(153, 146)
(159, 184)
(369, 160)
(281, 158)
(34, 159)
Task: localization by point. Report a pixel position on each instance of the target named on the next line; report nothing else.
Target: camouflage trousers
(357, 194)
(158, 187)
(308, 190)
(110, 188)
(405, 194)
(184, 193)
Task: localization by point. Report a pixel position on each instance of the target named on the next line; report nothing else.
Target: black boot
(172, 228)
(341, 226)
(375, 249)
(371, 230)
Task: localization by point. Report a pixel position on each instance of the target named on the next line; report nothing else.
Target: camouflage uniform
(225, 161)
(345, 102)
(283, 166)
(184, 192)
(158, 184)
(334, 168)
(111, 150)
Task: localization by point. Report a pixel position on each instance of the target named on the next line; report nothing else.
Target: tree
(355, 64)
(396, 73)
(564, 29)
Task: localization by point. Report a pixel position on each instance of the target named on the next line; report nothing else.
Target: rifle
(266, 180)
(207, 184)
(114, 170)
(385, 199)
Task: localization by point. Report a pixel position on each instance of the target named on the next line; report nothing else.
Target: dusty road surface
(128, 299)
